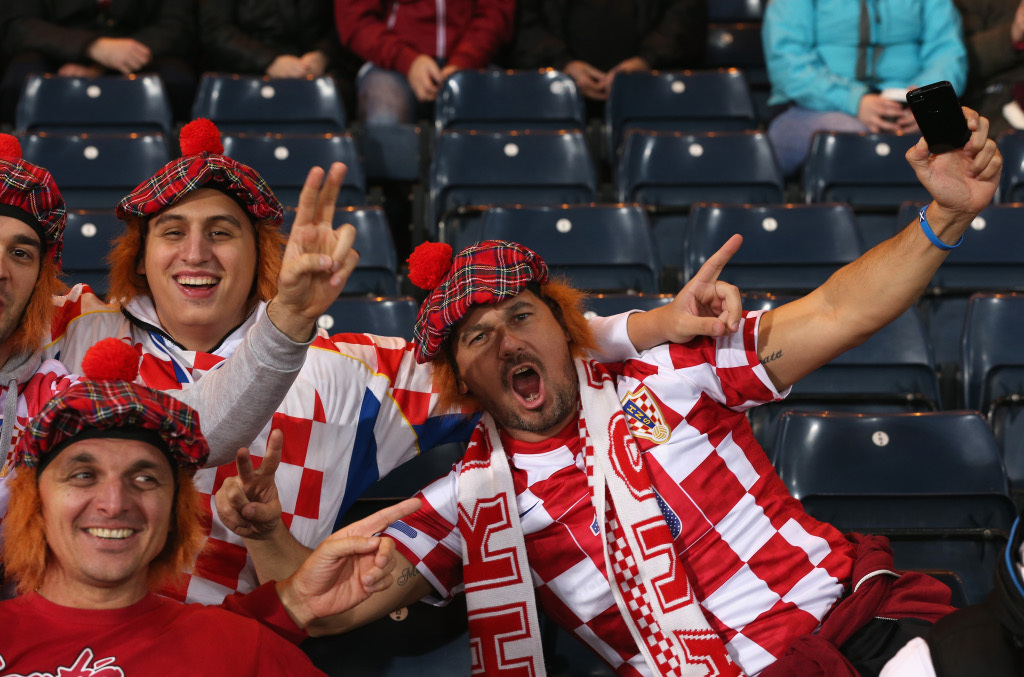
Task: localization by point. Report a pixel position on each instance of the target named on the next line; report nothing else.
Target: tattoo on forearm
(407, 575)
(771, 358)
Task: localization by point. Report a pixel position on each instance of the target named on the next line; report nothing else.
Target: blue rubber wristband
(930, 234)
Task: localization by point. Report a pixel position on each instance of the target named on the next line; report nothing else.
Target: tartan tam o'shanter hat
(203, 165)
(108, 404)
(486, 272)
(29, 193)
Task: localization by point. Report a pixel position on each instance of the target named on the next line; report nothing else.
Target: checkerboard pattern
(359, 407)
(765, 572)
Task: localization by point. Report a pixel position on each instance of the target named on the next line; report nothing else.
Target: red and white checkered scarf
(646, 576)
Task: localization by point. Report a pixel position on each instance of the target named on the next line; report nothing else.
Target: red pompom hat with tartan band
(486, 272)
(203, 165)
(29, 193)
(108, 404)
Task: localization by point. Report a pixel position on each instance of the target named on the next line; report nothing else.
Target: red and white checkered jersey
(359, 407)
(764, 570)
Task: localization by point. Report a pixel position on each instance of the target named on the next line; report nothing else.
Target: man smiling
(242, 394)
(103, 509)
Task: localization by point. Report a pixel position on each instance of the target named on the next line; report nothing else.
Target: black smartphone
(937, 111)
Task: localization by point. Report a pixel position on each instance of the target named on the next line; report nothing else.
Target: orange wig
(34, 328)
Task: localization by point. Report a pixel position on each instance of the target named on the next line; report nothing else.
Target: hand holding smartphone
(939, 116)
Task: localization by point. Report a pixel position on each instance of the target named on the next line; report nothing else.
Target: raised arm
(863, 296)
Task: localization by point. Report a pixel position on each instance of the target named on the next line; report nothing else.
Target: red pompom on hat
(111, 360)
(10, 147)
(109, 404)
(202, 164)
(429, 263)
(199, 136)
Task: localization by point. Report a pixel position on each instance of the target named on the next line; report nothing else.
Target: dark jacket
(245, 36)
(63, 29)
(987, 638)
(993, 64)
(675, 33)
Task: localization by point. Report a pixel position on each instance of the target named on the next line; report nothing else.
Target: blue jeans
(386, 98)
(791, 132)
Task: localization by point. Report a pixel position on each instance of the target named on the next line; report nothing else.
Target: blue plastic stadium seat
(284, 160)
(790, 248)
(94, 171)
(371, 315)
(737, 45)
(891, 372)
(684, 101)
(255, 103)
(669, 171)
(868, 171)
(503, 100)
(993, 374)
(109, 103)
(736, 10)
(1011, 184)
(377, 271)
(613, 304)
(88, 237)
(933, 482)
(678, 169)
(475, 169)
(598, 247)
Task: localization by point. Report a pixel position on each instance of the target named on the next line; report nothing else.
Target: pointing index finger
(712, 268)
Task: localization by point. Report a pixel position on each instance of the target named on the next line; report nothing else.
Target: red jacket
(391, 33)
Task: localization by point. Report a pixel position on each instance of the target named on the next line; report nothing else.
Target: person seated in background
(836, 65)
(631, 501)
(592, 40)
(409, 47)
(86, 38)
(280, 40)
(981, 639)
(103, 510)
(994, 36)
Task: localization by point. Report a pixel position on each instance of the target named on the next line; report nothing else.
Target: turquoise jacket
(812, 47)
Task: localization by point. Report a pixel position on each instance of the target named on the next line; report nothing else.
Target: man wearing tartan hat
(193, 271)
(236, 400)
(32, 220)
(103, 510)
(631, 501)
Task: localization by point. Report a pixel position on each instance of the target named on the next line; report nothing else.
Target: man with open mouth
(630, 501)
